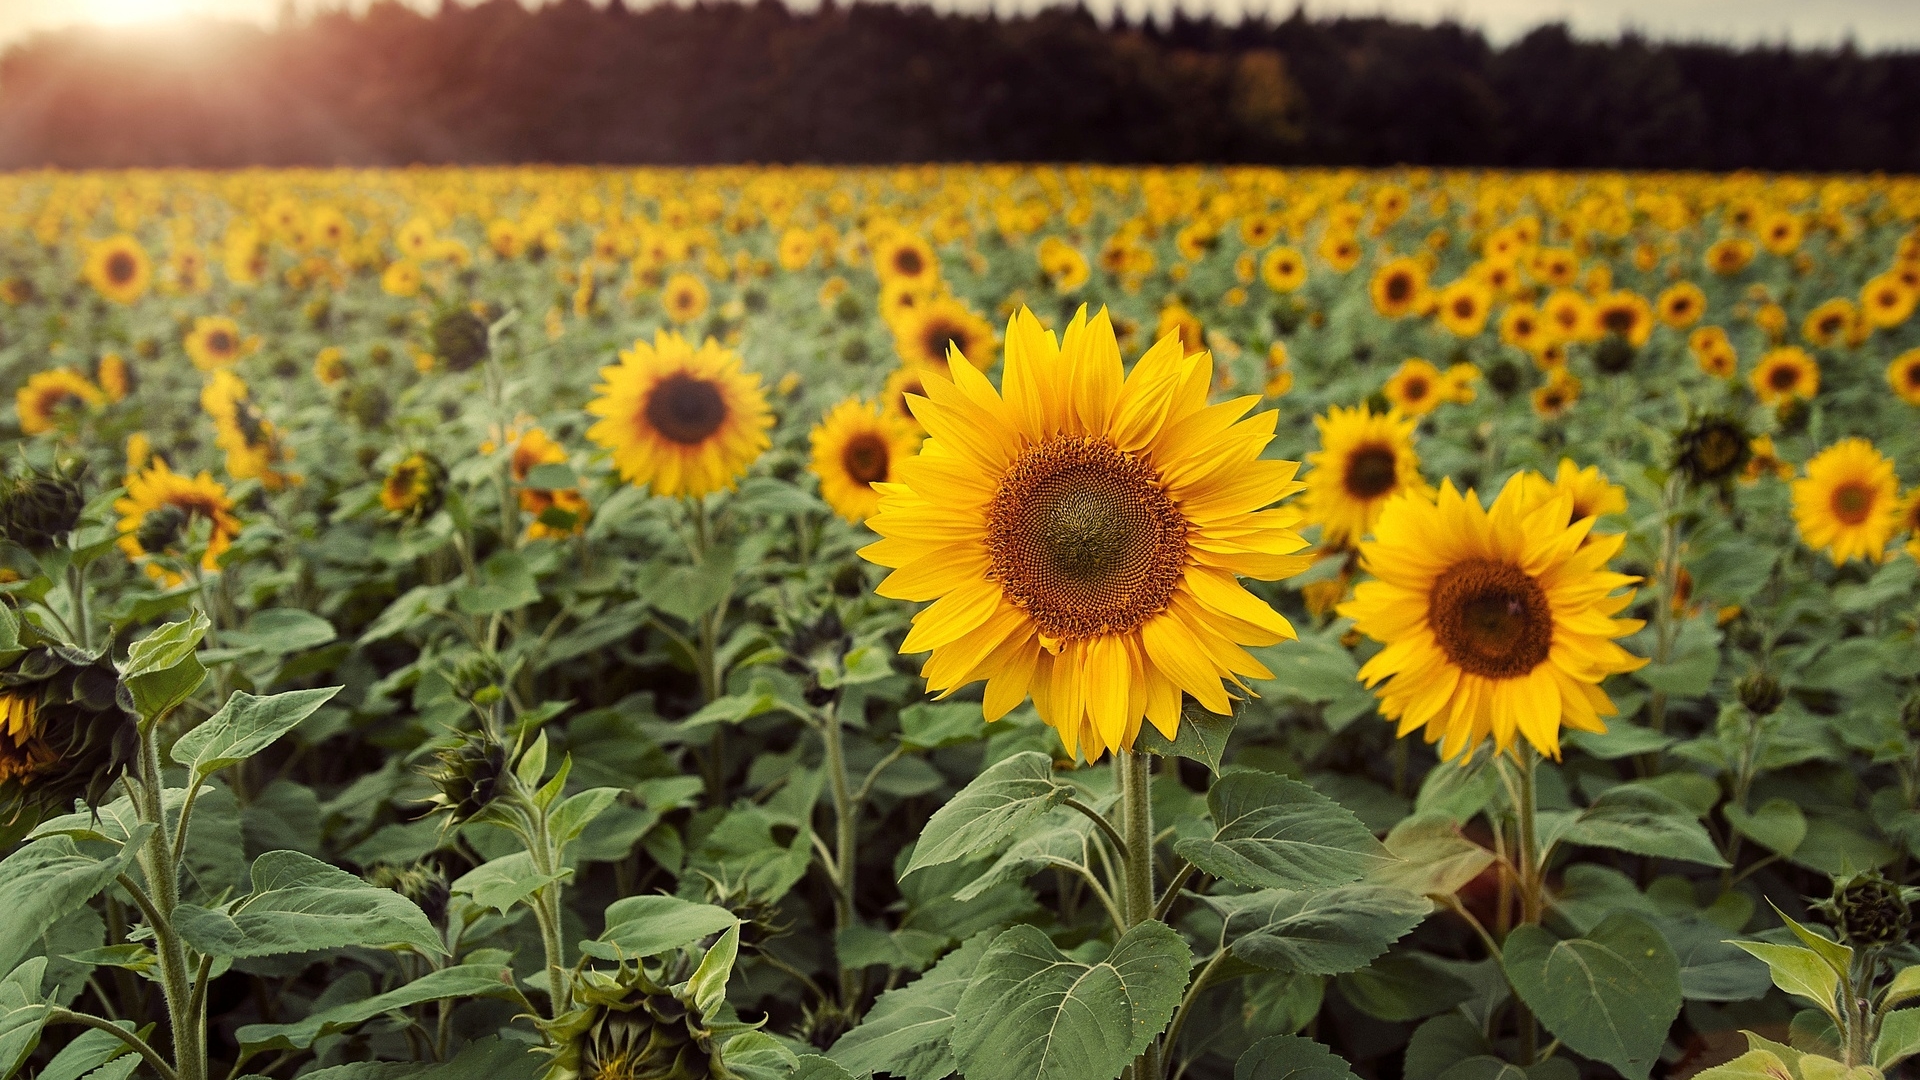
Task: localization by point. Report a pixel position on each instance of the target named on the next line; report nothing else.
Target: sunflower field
(1011, 623)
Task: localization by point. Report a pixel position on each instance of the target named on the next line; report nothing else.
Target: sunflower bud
(636, 1027)
(1760, 692)
(41, 507)
(1614, 355)
(1504, 377)
(468, 776)
(459, 339)
(414, 488)
(1868, 911)
(161, 528)
(367, 403)
(422, 883)
(63, 732)
(1711, 450)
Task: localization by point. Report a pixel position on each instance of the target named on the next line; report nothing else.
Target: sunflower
(1831, 322)
(1765, 458)
(796, 249)
(252, 445)
(684, 421)
(1886, 301)
(216, 341)
(118, 268)
(1558, 396)
(1848, 504)
(1910, 521)
(1521, 326)
(1729, 256)
(1415, 388)
(684, 297)
(1397, 286)
(1176, 319)
(1713, 351)
(330, 366)
(1495, 621)
(50, 395)
(414, 487)
(926, 336)
(1340, 250)
(1364, 459)
(1786, 374)
(856, 446)
(1283, 269)
(114, 376)
(893, 398)
(1279, 377)
(1557, 267)
(1463, 307)
(1592, 495)
(905, 257)
(1569, 315)
(1782, 232)
(63, 734)
(401, 278)
(1626, 314)
(1904, 376)
(159, 508)
(1081, 535)
(1062, 264)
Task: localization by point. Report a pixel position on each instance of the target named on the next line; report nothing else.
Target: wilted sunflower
(63, 734)
(159, 508)
(1904, 376)
(684, 421)
(1364, 459)
(1397, 287)
(1711, 449)
(684, 298)
(1786, 374)
(415, 487)
(1495, 621)
(216, 341)
(1848, 504)
(925, 335)
(856, 446)
(1081, 535)
(50, 395)
(118, 268)
(1283, 269)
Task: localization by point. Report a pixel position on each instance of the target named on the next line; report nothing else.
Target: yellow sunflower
(684, 297)
(906, 258)
(1558, 396)
(1175, 318)
(1340, 249)
(1364, 459)
(118, 268)
(1730, 256)
(1522, 327)
(1082, 534)
(1397, 286)
(114, 377)
(1831, 322)
(161, 506)
(1062, 264)
(216, 341)
(685, 421)
(1415, 388)
(1848, 504)
(925, 336)
(1592, 495)
(414, 487)
(1463, 307)
(1283, 269)
(1496, 621)
(1625, 313)
(49, 395)
(856, 446)
(1714, 352)
(893, 399)
(1904, 376)
(1681, 305)
(1765, 458)
(330, 366)
(1568, 315)
(1786, 374)
(1910, 521)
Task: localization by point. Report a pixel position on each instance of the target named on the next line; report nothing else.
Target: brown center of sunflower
(1913, 374)
(941, 336)
(685, 409)
(1618, 320)
(1783, 377)
(1464, 307)
(866, 458)
(1399, 288)
(1830, 325)
(1084, 539)
(1491, 618)
(1414, 389)
(908, 262)
(120, 268)
(1372, 470)
(1852, 502)
(219, 342)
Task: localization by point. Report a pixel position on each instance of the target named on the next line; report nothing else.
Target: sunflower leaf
(1277, 833)
(990, 810)
(1610, 995)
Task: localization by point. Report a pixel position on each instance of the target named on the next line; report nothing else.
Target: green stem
(546, 911)
(133, 1042)
(1532, 885)
(1113, 834)
(845, 838)
(1136, 812)
(77, 594)
(157, 863)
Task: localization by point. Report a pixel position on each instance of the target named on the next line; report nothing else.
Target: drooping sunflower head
(1848, 504)
(685, 421)
(1080, 530)
(49, 397)
(857, 446)
(1364, 459)
(40, 506)
(414, 487)
(1497, 621)
(118, 268)
(459, 338)
(63, 734)
(1785, 375)
(928, 335)
(1711, 449)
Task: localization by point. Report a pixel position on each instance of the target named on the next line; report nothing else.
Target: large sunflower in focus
(1848, 504)
(1496, 621)
(685, 421)
(1364, 459)
(855, 447)
(1080, 533)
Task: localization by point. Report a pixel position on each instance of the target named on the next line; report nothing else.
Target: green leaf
(464, 981)
(1290, 1057)
(1711, 969)
(1778, 825)
(756, 1055)
(506, 583)
(1904, 987)
(1441, 1043)
(503, 882)
(987, 812)
(1435, 857)
(1800, 972)
(1610, 996)
(1839, 957)
(1404, 986)
(1752, 1065)
(1031, 1012)
(1638, 820)
(22, 1014)
(1899, 1038)
(733, 708)
(708, 986)
(1323, 932)
(90, 1050)
(161, 670)
(815, 1067)
(640, 926)
(1276, 833)
(300, 904)
(43, 881)
(1202, 737)
(243, 727)
(553, 476)
(572, 817)
(906, 1032)
(868, 663)
(933, 725)
(281, 632)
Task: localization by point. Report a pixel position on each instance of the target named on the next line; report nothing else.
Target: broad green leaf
(1321, 932)
(464, 981)
(868, 663)
(1839, 957)
(906, 1032)
(280, 632)
(161, 670)
(990, 810)
(1202, 737)
(708, 986)
(23, 1013)
(1904, 987)
(505, 583)
(1610, 996)
(640, 926)
(1458, 789)
(1711, 969)
(1777, 825)
(1290, 1057)
(1403, 986)
(90, 1050)
(860, 946)
(1276, 833)
(815, 1067)
(1638, 820)
(1063, 835)
(1800, 972)
(756, 1055)
(1899, 1038)
(1434, 858)
(1031, 1012)
(572, 817)
(932, 725)
(43, 881)
(300, 904)
(1752, 1065)
(243, 727)
(501, 883)
(1441, 1043)
(1489, 1067)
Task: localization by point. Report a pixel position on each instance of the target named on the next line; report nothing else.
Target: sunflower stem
(845, 840)
(163, 883)
(1136, 812)
(1525, 796)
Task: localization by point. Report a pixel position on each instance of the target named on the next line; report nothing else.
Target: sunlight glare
(130, 12)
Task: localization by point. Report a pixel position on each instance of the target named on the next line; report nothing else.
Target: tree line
(732, 82)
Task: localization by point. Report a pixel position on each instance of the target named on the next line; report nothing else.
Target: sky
(1871, 24)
